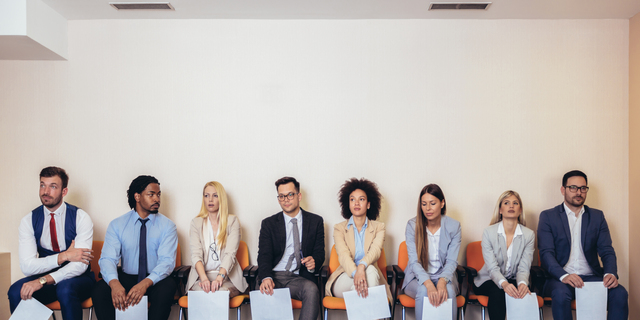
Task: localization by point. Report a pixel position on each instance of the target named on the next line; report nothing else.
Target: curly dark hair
(370, 189)
(137, 186)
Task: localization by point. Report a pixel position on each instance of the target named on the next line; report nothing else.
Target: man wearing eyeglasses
(291, 248)
(571, 236)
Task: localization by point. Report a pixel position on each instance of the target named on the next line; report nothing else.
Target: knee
(560, 293)
(618, 294)
(373, 277)
(311, 290)
(421, 292)
(14, 293)
(100, 290)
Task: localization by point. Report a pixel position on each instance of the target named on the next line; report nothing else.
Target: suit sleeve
(452, 252)
(547, 248)
(489, 256)
(414, 263)
(524, 265)
(318, 247)
(605, 249)
(265, 252)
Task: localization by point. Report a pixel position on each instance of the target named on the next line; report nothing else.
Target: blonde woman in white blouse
(507, 249)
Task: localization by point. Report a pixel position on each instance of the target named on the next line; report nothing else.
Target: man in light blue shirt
(145, 243)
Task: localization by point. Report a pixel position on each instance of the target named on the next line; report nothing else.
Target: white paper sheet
(374, 306)
(138, 312)
(522, 309)
(31, 309)
(275, 307)
(442, 312)
(591, 301)
(209, 306)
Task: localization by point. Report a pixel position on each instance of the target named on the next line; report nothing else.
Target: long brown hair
(422, 241)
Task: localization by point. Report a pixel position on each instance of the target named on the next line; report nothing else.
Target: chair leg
(180, 314)
(238, 312)
(326, 313)
(404, 313)
(90, 313)
(541, 314)
(461, 313)
(482, 313)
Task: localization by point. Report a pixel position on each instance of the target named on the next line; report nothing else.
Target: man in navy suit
(290, 248)
(571, 236)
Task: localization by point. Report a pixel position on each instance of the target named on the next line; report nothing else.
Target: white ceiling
(350, 9)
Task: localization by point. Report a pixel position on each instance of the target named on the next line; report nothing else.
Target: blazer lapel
(517, 243)
(281, 232)
(502, 244)
(585, 225)
(368, 236)
(565, 222)
(306, 225)
(350, 238)
(444, 241)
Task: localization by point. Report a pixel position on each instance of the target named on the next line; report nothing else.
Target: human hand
(432, 293)
(573, 280)
(205, 284)
(137, 292)
(74, 254)
(510, 289)
(28, 288)
(523, 290)
(118, 295)
(360, 282)
(266, 287)
(216, 284)
(442, 291)
(610, 281)
(309, 262)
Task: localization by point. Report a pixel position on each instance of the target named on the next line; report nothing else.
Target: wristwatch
(43, 281)
(222, 275)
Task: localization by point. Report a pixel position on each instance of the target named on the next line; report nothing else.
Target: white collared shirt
(517, 233)
(31, 264)
(434, 257)
(212, 264)
(577, 262)
(288, 251)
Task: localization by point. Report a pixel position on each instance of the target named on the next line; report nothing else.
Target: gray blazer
(494, 252)
(450, 238)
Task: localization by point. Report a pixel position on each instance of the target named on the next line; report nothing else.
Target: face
(577, 198)
(149, 200)
(510, 207)
(51, 192)
(211, 200)
(289, 206)
(358, 203)
(431, 207)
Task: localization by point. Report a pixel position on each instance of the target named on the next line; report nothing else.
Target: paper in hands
(591, 301)
(374, 306)
(31, 309)
(522, 309)
(442, 312)
(275, 307)
(209, 306)
(138, 312)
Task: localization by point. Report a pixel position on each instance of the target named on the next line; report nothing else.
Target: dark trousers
(70, 293)
(562, 295)
(497, 304)
(301, 289)
(160, 297)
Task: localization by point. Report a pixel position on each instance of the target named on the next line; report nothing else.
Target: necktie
(296, 246)
(142, 259)
(54, 234)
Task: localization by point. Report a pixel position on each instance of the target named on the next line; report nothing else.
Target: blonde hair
(223, 211)
(497, 217)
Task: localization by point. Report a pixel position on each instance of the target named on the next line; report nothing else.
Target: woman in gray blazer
(507, 249)
(214, 238)
(433, 244)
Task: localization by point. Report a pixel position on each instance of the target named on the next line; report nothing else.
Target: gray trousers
(301, 289)
(418, 291)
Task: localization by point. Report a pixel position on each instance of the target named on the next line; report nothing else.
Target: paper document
(275, 307)
(522, 309)
(31, 309)
(138, 312)
(209, 306)
(374, 306)
(442, 312)
(591, 301)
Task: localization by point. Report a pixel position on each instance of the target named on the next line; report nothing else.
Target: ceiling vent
(142, 5)
(459, 5)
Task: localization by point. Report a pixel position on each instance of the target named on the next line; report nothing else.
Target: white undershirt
(517, 233)
(434, 257)
(577, 262)
(213, 265)
(288, 251)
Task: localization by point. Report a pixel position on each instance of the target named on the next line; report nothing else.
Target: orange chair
(95, 267)
(408, 302)
(475, 261)
(334, 303)
(236, 302)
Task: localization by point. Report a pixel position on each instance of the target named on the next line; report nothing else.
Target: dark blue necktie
(142, 259)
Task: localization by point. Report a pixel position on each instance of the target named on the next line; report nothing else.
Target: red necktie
(54, 234)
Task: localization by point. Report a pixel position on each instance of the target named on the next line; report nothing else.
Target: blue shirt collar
(351, 223)
(135, 216)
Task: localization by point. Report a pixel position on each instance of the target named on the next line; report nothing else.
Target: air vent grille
(459, 5)
(142, 5)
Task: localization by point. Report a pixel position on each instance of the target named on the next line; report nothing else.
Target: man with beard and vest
(55, 250)
(145, 242)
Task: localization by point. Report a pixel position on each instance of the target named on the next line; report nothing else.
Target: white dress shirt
(517, 233)
(212, 264)
(577, 262)
(31, 264)
(288, 251)
(434, 248)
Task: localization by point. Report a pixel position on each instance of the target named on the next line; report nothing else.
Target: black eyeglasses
(288, 196)
(575, 189)
(214, 252)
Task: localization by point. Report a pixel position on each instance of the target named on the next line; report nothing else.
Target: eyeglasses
(214, 252)
(288, 196)
(575, 189)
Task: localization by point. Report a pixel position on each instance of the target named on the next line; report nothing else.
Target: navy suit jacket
(273, 240)
(554, 241)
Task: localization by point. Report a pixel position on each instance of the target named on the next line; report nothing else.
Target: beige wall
(634, 161)
(478, 107)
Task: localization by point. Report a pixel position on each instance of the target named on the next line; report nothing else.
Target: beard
(575, 201)
(50, 202)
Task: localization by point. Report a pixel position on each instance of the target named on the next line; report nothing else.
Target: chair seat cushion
(234, 302)
(56, 304)
(482, 300)
(408, 302)
(334, 303)
(296, 304)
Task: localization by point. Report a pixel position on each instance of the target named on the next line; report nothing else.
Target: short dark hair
(574, 173)
(49, 172)
(285, 180)
(370, 189)
(137, 186)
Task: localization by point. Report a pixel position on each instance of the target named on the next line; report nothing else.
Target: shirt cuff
(153, 278)
(522, 282)
(267, 278)
(108, 277)
(52, 261)
(607, 274)
(564, 276)
(500, 282)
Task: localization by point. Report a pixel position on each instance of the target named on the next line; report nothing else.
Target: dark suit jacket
(273, 241)
(554, 241)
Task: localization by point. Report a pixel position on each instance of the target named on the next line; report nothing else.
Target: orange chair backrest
(403, 256)
(334, 263)
(474, 255)
(242, 255)
(178, 257)
(97, 251)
